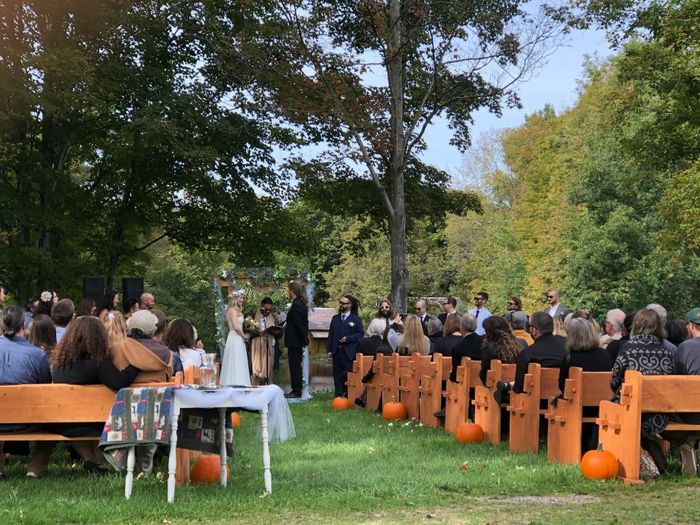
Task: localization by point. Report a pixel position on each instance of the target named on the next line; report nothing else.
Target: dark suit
(343, 353)
(296, 337)
(561, 311)
(444, 345)
(424, 323)
(443, 316)
(470, 346)
(548, 350)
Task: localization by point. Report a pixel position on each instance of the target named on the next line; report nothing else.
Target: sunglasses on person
(550, 297)
(510, 303)
(343, 303)
(478, 298)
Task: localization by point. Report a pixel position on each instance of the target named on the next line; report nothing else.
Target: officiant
(263, 346)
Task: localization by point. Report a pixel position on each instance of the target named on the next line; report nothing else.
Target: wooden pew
(360, 366)
(457, 394)
(374, 386)
(409, 380)
(620, 424)
(390, 376)
(524, 408)
(487, 413)
(565, 420)
(430, 388)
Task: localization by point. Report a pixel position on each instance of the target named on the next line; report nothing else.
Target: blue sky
(554, 83)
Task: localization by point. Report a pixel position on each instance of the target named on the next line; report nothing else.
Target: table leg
(267, 475)
(172, 456)
(222, 453)
(130, 462)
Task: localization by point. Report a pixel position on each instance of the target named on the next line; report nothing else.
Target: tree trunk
(397, 216)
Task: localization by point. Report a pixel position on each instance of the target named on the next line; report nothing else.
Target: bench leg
(130, 461)
(267, 475)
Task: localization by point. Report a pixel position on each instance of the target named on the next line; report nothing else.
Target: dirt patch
(551, 500)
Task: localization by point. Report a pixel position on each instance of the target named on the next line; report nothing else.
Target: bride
(234, 367)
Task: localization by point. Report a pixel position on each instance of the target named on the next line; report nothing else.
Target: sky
(554, 83)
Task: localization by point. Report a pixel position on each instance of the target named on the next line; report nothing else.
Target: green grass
(353, 467)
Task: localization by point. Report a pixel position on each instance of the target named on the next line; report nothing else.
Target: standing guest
(368, 345)
(344, 332)
(615, 345)
(480, 312)
(518, 323)
(556, 309)
(82, 358)
(451, 337)
(45, 303)
(514, 304)
(469, 346)
(62, 313)
(687, 362)
(413, 340)
(42, 333)
(614, 325)
(31, 309)
(110, 303)
(449, 307)
(386, 313)
(435, 330)
(147, 301)
(663, 315)
(645, 352)
(499, 343)
(296, 336)
(262, 348)
(22, 363)
(86, 306)
(548, 350)
(180, 338)
(130, 307)
(421, 308)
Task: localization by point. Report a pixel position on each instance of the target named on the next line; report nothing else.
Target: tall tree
(367, 79)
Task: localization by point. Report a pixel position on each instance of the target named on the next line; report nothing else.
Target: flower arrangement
(251, 326)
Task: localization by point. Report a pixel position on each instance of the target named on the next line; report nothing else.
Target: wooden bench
(620, 424)
(524, 408)
(457, 393)
(430, 388)
(374, 386)
(487, 413)
(360, 366)
(390, 376)
(409, 381)
(565, 420)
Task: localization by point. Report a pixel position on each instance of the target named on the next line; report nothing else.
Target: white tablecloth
(280, 422)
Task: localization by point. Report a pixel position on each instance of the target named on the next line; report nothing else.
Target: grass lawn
(353, 467)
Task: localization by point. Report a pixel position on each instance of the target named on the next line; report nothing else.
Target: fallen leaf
(464, 467)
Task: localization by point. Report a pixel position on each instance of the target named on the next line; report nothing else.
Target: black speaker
(132, 288)
(94, 288)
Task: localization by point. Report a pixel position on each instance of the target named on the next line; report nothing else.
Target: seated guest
(469, 346)
(82, 358)
(614, 326)
(676, 332)
(518, 323)
(663, 315)
(435, 330)
(62, 313)
(559, 325)
(413, 340)
(499, 343)
(22, 363)
(451, 337)
(687, 362)
(548, 350)
(31, 308)
(583, 350)
(86, 306)
(614, 346)
(180, 338)
(161, 325)
(42, 333)
(152, 358)
(368, 345)
(646, 353)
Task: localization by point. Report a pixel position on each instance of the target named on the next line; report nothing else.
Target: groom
(346, 329)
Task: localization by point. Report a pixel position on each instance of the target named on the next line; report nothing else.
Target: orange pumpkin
(469, 433)
(599, 464)
(394, 411)
(340, 403)
(235, 420)
(207, 469)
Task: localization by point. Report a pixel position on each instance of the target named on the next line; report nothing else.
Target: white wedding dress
(234, 366)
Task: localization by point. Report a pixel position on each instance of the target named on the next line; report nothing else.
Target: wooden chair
(360, 366)
(457, 394)
(487, 413)
(524, 408)
(409, 380)
(430, 388)
(620, 424)
(390, 376)
(565, 420)
(374, 386)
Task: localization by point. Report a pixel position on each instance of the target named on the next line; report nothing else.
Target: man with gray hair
(434, 332)
(614, 324)
(663, 314)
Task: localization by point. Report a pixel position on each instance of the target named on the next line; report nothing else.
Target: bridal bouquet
(251, 326)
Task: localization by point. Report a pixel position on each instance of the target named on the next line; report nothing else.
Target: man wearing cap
(687, 362)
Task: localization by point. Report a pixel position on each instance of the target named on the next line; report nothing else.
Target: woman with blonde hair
(234, 365)
(413, 339)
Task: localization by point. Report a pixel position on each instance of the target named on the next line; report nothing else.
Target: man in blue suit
(346, 329)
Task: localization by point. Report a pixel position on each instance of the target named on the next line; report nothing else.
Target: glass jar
(207, 371)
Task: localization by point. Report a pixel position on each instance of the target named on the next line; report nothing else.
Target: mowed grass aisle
(353, 467)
